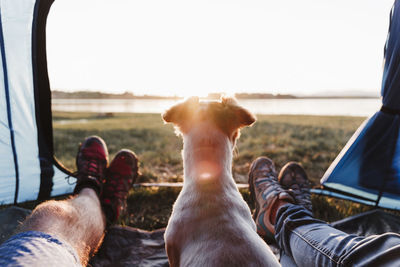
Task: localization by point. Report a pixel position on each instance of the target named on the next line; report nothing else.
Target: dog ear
(181, 112)
(242, 117)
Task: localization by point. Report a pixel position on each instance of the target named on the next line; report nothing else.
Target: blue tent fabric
(368, 168)
(391, 75)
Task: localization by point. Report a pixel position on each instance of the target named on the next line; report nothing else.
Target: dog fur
(211, 224)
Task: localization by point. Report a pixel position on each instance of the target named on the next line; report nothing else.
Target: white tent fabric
(22, 170)
(17, 28)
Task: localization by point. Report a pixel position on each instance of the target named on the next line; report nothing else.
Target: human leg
(78, 221)
(267, 195)
(311, 242)
(293, 177)
(67, 232)
(121, 175)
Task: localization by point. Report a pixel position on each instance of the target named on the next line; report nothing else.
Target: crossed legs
(285, 213)
(68, 232)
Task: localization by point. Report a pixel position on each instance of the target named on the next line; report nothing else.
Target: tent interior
(366, 171)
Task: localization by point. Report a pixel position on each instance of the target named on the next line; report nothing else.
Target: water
(344, 107)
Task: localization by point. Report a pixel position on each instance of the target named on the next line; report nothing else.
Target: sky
(194, 47)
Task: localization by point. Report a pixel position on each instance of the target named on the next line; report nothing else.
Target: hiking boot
(91, 162)
(267, 193)
(293, 177)
(120, 177)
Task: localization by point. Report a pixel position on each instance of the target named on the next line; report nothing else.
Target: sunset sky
(187, 47)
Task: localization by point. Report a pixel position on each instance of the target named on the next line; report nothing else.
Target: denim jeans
(311, 242)
(34, 248)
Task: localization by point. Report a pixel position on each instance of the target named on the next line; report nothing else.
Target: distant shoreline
(99, 95)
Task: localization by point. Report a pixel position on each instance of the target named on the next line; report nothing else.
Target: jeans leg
(311, 242)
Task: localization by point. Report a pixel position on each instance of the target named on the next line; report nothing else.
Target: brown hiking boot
(293, 177)
(266, 193)
(91, 162)
(120, 177)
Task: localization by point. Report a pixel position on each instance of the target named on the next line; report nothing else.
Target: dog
(211, 224)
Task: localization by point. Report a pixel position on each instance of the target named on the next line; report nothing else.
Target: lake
(340, 106)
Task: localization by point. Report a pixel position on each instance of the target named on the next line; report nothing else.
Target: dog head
(225, 115)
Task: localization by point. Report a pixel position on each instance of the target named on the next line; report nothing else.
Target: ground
(312, 140)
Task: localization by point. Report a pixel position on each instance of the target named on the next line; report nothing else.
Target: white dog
(211, 224)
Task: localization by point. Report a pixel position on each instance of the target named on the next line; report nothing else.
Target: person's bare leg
(79, 221)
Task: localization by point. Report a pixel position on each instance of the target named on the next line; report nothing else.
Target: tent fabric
(373, 222)
(29, 171)
(128, 246)
(368, 168)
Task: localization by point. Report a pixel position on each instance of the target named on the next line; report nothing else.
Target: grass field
(312, 140)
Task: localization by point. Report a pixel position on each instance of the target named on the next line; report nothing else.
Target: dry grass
(312, 140)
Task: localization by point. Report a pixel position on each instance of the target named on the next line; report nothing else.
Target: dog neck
(207, 158)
